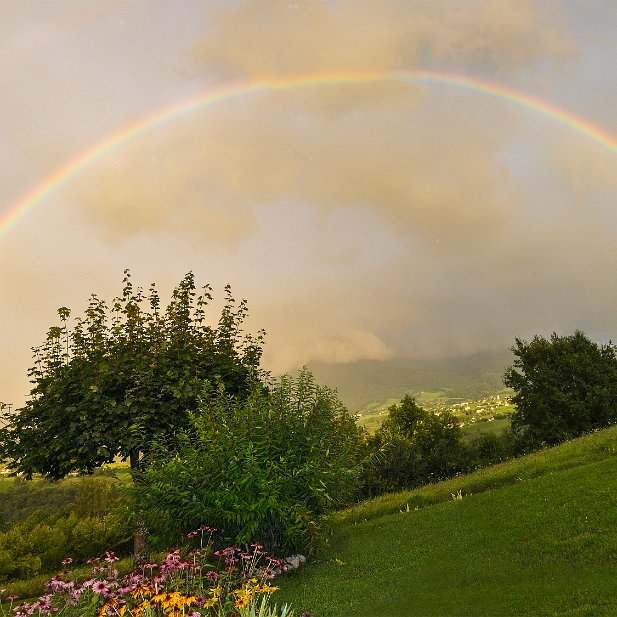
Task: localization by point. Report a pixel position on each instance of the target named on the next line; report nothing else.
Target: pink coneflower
(100, 587)
(68, 561)
(191, 534)
(112, 573)
(213, 575)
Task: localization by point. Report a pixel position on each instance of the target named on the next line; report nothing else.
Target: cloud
(360, 220)
(259, 39)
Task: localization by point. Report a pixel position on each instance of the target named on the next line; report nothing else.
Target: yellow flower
(265, 588)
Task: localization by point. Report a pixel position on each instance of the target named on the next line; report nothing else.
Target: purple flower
(213, 575)
(191, 534)
(68, 561)
(101, 587)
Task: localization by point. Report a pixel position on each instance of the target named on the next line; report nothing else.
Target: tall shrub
(261, 468)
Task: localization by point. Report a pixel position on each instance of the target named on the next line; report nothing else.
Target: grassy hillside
(533, 536)
(371, 381)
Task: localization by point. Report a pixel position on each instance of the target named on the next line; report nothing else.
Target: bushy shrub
(259, 468)
(489, 449)
(80, 518)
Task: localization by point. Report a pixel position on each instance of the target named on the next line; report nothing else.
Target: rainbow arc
(63, 174)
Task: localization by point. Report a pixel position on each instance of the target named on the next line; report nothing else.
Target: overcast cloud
(365, 220)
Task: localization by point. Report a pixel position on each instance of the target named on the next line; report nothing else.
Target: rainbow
(62, 175)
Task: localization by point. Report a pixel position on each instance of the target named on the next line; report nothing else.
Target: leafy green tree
(124, 376)
(413, 447)
(563, 387)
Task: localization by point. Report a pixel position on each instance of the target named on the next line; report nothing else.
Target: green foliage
(489, 448)
(32, 547)
(260, 468)
(44, 522)
(124, 376)
(564, 386)
(413, 447)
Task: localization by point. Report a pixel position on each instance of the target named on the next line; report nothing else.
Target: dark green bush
(489, 449)
(262, 469)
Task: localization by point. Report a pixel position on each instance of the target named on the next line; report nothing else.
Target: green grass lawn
(534, 536)
(495, 426)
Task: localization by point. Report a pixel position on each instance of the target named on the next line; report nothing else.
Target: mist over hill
(371, 381)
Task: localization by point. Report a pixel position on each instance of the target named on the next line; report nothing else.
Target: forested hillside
(372, 381)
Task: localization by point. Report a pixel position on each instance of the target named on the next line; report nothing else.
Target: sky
(378, 179)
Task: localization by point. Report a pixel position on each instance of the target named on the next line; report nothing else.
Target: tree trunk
(141, 543)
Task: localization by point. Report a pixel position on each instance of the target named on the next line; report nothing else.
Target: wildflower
(68, 561)
(191, 534)
(100, 587)
(266, 588)
(213, 575)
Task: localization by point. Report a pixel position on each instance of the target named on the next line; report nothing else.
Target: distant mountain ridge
(374, 381)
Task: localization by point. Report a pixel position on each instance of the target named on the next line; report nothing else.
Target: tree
(125, 376)
(563, 387)
(412, 447)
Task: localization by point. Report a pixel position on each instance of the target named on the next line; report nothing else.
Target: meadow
(532, 536)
